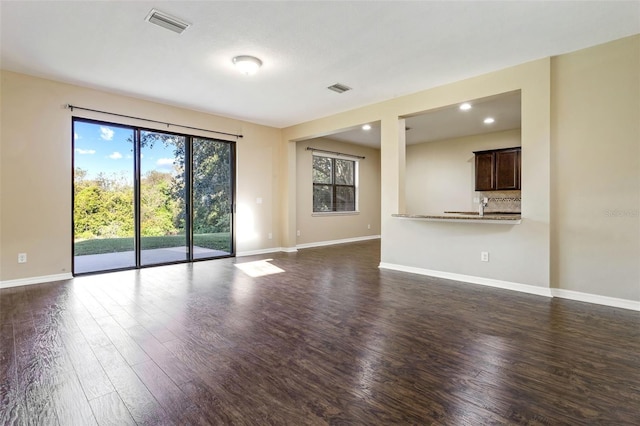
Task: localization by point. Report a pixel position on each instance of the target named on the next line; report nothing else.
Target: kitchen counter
(502, 218)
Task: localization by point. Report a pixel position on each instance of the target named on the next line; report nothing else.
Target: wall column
(392, 172)
(288, 189)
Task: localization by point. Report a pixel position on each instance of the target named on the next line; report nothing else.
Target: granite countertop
(474, 217)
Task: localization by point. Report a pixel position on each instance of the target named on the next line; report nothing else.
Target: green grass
(220, 241)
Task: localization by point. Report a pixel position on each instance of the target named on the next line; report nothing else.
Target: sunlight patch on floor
(259, 268)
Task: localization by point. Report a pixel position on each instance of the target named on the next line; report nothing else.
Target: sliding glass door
(144, 197)
(163, 204)
(103, 194)
(212, 198)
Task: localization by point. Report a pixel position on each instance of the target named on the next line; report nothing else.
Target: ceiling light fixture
(366, 127)
(247, 65)
(465, 106)
(489, 120)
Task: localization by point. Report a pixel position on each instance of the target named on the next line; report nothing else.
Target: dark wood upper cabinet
(485, 164)
(498, 169)
(508, 169)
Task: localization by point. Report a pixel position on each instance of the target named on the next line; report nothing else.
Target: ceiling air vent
(167, 21)
(339, 88)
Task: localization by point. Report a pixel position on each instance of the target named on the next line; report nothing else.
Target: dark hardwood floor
(331, 340)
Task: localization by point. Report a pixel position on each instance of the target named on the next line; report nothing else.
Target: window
(334, 184)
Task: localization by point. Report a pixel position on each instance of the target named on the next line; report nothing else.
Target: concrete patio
(126, 259)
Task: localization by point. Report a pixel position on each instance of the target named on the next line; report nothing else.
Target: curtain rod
(72, 107)
(335, 153)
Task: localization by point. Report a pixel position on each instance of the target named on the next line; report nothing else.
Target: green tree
(157, 206)
(88, 211)
(103, 207)
(211, 185)
(118, 213)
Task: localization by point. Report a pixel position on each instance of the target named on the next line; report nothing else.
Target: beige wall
(258, 154)
(519, 253)
(592, 235)
(320, 228)
(440, 175)
(581, 175)
(36, 170)
(596, 170)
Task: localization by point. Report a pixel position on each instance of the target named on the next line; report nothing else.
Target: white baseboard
(35, 280)
(507, 285)
(261, 251)
(342, 241)
(305, 245)
(525, 288)
(595, 298)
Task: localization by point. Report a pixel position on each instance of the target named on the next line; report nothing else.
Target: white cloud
(106, 133)
(115, 156)
(85, 151)
(76, 136)
(165, 162)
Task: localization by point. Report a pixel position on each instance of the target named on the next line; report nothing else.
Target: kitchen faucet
(483, 203)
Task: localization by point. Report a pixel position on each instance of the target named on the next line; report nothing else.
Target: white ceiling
(448, 122)
(380, 49)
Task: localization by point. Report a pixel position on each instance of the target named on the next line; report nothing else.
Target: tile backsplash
(502, 201)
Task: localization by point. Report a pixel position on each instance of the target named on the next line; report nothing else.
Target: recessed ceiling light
(247, 65)
(489, 120)
(465, 106)
(366, 127)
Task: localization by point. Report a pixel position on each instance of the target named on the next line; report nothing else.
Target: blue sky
(102, 148)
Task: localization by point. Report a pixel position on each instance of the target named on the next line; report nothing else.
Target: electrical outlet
(298, 232)
(476, 200)
(484, 256)
(270, 235)
(22, 257)
(369, 226)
